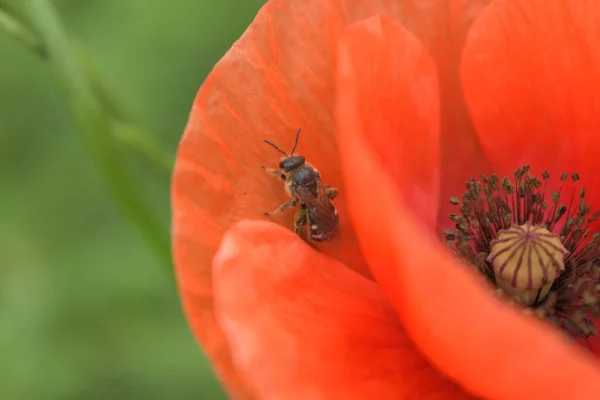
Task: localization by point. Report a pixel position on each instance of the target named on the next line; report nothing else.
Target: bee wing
(320, 209)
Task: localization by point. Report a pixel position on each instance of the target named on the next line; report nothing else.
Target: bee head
(289, 163)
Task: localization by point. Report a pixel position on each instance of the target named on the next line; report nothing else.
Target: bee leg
(331, 192)
(275, 172)
(300, 220)
(283, 207)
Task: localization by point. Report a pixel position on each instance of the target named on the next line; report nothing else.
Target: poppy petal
(276, 78)
(303, 326)
(441, 26)
(531, 74)
(196, 296)
(397, 83)
(487, 346)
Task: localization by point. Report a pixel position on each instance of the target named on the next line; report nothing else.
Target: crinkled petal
(303, 326)
(487, 346)
(531, 74)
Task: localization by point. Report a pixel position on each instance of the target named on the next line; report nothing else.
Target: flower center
(534, 249)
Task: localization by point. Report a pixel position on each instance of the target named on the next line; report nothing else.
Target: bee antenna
(276, 148)
(296, 141)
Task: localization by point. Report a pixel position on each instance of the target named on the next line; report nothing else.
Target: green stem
(94, 123)
(15, 29)
(125, 132)
(113, 105)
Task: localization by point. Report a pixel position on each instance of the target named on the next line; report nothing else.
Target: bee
(304, 185)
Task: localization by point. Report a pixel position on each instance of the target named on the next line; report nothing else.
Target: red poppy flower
(400, 102)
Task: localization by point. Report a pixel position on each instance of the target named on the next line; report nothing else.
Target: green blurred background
(87, 311)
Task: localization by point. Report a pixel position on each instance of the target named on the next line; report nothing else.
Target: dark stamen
(493, 205)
